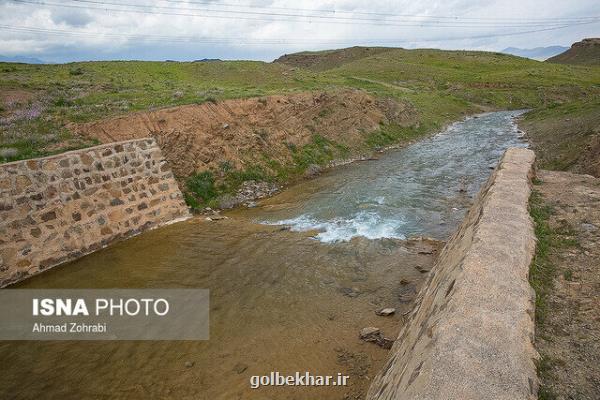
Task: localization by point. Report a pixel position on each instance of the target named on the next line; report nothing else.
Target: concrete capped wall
(471, 334)
(58, 208)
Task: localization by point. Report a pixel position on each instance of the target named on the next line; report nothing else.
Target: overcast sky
(74, 30)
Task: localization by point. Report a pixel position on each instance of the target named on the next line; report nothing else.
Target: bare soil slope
(251, 131)
(569, 338)
(323, 60)
(586, 52)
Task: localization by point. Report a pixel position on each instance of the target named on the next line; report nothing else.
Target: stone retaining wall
(471, 334)
(58, 208)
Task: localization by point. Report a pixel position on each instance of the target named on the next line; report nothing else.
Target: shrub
(200, 189)
(251, 173)
(226, 166)
(62, 102)
(318, 152)
(76, 71)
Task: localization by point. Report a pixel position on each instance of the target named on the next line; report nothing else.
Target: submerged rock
(312, 171)
(350, 292)
(227, 201)
(248, 192)
(240, 368)
(374, 335)
(370, 334)
(384, 312)
(421, 269)
(386, 343)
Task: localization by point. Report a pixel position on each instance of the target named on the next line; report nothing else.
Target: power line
(286, 17)
(185, 38)
(246, 41)
(316, 16)
(336, 11)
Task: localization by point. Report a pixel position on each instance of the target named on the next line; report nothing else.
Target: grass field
(442, 85)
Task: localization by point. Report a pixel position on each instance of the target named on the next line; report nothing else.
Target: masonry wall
(58, 208)
(471, 334)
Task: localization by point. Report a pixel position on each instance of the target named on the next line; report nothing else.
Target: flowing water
(422, 189)
(280, 300)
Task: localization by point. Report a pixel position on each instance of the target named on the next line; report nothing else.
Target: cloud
(70, 18)
(264, 29)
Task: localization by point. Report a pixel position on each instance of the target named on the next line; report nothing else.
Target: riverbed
(292, 281)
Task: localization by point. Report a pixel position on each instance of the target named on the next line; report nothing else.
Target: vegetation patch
(566, 135)
(200, 189)
(319, 152)
(387, 135)
(543, 272)
(443, 86)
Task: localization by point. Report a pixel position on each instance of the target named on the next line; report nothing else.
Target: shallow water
(422, 189)
(280, 300)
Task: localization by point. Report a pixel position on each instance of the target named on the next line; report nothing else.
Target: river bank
(286, 295)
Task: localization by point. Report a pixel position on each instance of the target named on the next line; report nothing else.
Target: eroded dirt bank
(258, 131)
(568, 328)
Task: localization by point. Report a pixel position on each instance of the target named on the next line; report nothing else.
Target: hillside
(47, 109)
(261, 134)
(327, 59)
(566, 137)
(586, 52)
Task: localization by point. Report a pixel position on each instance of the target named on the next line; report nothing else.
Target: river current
(422, 189)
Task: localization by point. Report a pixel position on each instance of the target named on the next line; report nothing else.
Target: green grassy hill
(38, 103)
(586, 52)
(327, 59)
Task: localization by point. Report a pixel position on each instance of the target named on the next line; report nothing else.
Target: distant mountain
(586, 52)
(21, 59)
(538, 53)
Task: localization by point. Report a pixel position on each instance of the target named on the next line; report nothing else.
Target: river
(292, 281)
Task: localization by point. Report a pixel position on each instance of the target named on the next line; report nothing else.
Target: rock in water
(384, 312)
(239, 368)
(370, 334)
(384, 342)
(312, 170)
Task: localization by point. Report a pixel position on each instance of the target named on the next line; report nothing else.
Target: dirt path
(569, 337)
(384, 84)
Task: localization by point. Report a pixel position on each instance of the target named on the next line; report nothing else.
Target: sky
(185, 30)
